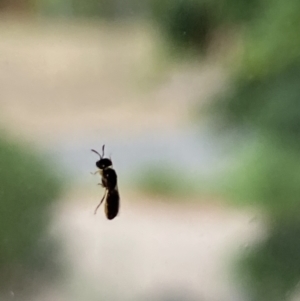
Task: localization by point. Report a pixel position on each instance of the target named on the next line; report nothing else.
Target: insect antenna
(97, 153)
(103, 147)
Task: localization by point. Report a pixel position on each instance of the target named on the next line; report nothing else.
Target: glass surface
(197, 103)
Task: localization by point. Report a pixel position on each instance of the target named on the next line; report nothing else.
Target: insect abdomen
(112, 204)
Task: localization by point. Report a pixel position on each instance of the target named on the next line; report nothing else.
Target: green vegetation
(268, 176)
(73, 8)
(270, 104)
(103, 9)
(265, 101)
(184, 23)
(28, 188)
(168, 182)
(192, 23)
(273, 266)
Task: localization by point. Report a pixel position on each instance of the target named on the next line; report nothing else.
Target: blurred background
(197, 102)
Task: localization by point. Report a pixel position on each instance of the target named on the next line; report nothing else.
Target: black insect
(109, 182)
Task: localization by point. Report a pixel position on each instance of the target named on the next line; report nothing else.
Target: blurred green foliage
(113, 9)
(184, 23)
(192, 23)
(28, 187)
(272, 267)
(75, 8)
(270, 104)
(264, 100)
(166, 181)
(272, 43)
(268, 175)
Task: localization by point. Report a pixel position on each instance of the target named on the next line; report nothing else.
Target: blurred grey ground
(81, 85)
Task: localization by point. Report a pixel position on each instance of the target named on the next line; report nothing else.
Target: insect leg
(100, 202)
(94, 173)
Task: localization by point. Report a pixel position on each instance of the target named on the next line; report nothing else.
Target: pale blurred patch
(60, 79)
